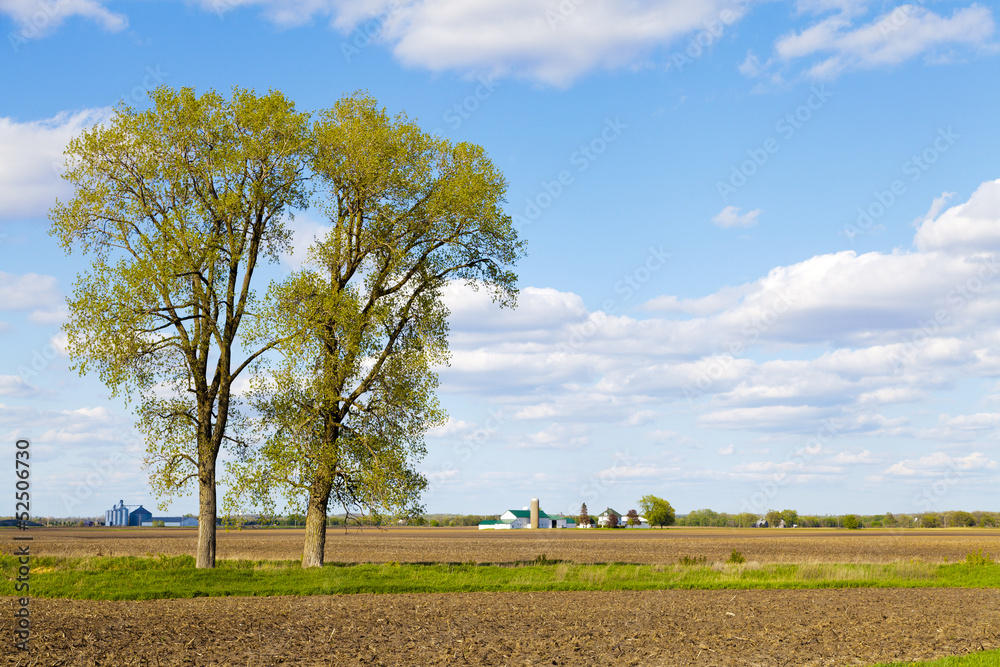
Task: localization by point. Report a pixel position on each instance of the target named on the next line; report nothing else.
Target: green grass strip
(983, 659)
(132, 578)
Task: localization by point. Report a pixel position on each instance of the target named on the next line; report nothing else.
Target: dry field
(748, 628)
(460, 545)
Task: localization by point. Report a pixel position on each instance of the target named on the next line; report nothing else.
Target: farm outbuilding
(119, 515)
(173, 521)
(522, 519)
(139, 516)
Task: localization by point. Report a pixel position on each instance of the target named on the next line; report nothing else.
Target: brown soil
(757, 627)
(581, 546)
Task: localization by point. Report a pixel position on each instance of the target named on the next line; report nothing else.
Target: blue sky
(761, 238)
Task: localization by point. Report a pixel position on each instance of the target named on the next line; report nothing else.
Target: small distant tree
(613, 520)
(584, 518)
(632, 518)
(930, 521)
(791, 517)
(435, 523)
(773, 518)
(851, 521)
(159, 524)
(657, 511)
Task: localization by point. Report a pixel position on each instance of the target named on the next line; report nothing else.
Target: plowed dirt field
(752, 628)
(461, 545)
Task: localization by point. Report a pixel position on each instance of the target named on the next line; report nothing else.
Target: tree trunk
(206, 516)
(315, 544)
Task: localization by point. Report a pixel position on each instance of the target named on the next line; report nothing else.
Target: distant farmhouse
(120, 515)
(529, 517)
(604, 519)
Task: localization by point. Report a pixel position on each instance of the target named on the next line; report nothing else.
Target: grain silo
(534, 513)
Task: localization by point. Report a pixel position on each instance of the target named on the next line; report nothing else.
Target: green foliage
(692, 561)
(773, 518)
(736, 557)
(176, 206)
(364, 324)
(791, 517)
(583, 519)
(930, 520)
(980, 659)
(657, 511)
(158, 524)
(157, 577)
(435, 523)
(632, 518)
(977, 557)
(961, 518)
(704, 517)
(851, 521)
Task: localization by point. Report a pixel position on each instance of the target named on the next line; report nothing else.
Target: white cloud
(31, 160)
(841, 335)
(42, 17)
(836, 44)
(453, 428)
(728, 450)
(306, 231)
(553, 42)
(33, 292)
(969, 227)
(556, 436)
(938, 463)
(13, 385)
(730, 217)
(850, 458)
(640, 418)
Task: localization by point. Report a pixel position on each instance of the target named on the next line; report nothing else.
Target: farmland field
(461, 545)
(663, 627)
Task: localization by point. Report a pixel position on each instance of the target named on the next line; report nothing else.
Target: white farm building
(523, 519)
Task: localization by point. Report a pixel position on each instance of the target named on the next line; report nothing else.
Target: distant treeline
(707, 517)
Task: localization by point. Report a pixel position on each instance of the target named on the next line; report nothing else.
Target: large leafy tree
(353, 393)
(176, 206)
(657, 511)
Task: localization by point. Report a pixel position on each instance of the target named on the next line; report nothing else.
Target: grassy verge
(132, 578)
(984, 659)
